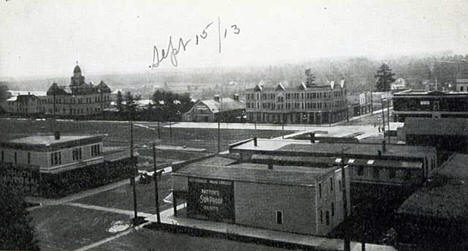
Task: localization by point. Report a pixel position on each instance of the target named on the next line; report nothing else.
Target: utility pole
(135, 173)
(219, 136)
(347, 241)
(388, 117)
(383, 116)
(155, 176)
(159, 131)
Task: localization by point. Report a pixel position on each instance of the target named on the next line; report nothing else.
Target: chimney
(270, 166)
(383, 146)
(312, 137)
(57, 135)
(216, 98)
(255, 141)
(236, 97)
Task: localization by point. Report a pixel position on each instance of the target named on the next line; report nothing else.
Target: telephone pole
(155, 176)
(135, 173)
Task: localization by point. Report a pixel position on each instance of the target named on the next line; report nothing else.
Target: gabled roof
(225, 104)
(103, 87)
(54, 89)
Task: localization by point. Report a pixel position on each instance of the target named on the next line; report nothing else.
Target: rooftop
(445, 196)
(225, 104)
(302, 146)
(227, 169)
(432, 126)
(422, 93)
(50, 139)
(331, 161)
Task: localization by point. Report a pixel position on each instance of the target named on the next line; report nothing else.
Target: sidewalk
(320, 243)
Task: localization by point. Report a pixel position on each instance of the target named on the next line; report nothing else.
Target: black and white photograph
(234, 125)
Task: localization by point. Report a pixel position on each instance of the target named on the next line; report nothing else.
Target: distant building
(398, 84)
(79, 99)
(303, 103)
(462, 78)
(360, 104)
(290, 199)
(437, 214)
(434, 104)
(212, 110)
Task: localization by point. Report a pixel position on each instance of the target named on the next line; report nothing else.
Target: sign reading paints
(210, 199)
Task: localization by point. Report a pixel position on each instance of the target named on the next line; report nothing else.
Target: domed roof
(77, 69)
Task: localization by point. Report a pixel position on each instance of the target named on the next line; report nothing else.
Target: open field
(159, 240)
(122, 197)
(118, 134)
(66, 228)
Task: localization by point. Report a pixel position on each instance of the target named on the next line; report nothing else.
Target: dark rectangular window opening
(391, 173)
(327, 218)
(320, 190)
(279, 217)
(29, 158)
(333, 208)
(360, 170)
(16, 158)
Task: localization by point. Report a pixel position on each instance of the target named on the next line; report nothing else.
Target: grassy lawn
(66, 228)
(119, 135)
(122, 197)
(159, 240)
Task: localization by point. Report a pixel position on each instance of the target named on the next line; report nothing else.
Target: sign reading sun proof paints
(210, 199)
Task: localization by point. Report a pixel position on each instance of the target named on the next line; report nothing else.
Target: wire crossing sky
(47, 37)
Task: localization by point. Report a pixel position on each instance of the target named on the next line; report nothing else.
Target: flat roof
(433, 126)
(48, 142)
(227, 169)
(329, 161)
(302, 146)
(422, 93)
(445, 196)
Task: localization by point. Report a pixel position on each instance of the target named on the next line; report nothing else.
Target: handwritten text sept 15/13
(173, 50)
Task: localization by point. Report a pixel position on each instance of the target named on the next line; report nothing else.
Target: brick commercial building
(297, 103)
(79, 99)
(434, 104)
(373, 164)
(291, 199)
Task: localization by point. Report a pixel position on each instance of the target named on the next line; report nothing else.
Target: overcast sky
(47, 37)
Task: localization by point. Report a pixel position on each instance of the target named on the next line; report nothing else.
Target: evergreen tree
(16, 231)
(384, 78)
(119, 101)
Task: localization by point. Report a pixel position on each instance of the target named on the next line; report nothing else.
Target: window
(16, 158)
(321, 216)
(331, 184)
(3, 156)
(407, 175)
(56, 158)
(391, 173)
(327, 218)
(376, 173)
(279, 217)
(95, 150)
(320, 190)
(76, 154)
(29, 158)
(333, 208)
